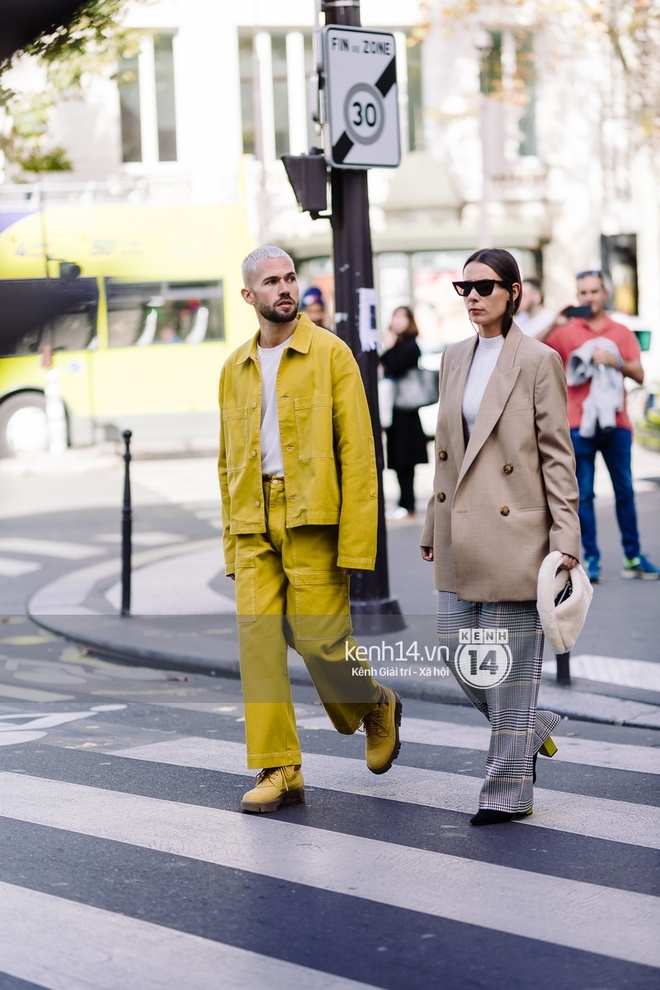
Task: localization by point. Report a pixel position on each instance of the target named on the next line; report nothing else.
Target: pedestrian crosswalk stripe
(616, 923)
(48, 548)
(589, 752)
(562, 811)
(64, 945)
(615, 670)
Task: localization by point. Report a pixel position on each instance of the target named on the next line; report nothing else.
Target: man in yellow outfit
(299, 503)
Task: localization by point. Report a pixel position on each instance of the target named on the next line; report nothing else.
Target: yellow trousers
(290, 592)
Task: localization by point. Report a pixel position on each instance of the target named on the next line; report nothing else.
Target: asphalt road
(121, 828)
(622, 622)
(127, 864)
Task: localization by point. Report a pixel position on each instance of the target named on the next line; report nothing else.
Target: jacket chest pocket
(518, 405)
(235, 426)
(314, 426)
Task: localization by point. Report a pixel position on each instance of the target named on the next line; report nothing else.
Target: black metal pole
(373, 608)
(563, 668)
(126, 529)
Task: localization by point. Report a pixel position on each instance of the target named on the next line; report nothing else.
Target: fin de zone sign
(361, 98)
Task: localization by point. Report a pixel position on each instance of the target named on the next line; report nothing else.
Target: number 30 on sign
(362, 112)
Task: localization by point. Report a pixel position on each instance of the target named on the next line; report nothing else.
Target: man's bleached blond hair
(254, 259)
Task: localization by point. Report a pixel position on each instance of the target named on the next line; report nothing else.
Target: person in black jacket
(406, 441)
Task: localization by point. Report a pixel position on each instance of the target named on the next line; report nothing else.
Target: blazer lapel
(497, 392)
(457, 376)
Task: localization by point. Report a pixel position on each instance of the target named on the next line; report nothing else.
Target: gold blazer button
(442, 455)
(441, 496)
(508, 468)
(505, 510)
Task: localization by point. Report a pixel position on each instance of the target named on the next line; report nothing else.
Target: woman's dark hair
(412, 330)
(506, 266)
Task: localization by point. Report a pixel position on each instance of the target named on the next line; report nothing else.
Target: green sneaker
(592, 567)
(639, 567)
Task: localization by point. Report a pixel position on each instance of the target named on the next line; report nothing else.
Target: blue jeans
(615, 446)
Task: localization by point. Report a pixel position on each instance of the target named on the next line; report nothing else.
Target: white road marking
(211, 516)
(9, 567)
(589, 917)
(66, 595)
(191, 480)
(30, 694)
(613, 670)
(13, 735)
(178, 586)
(151, 539)
(600, 818)
(65, 945)
(589, 752)
(48, 548)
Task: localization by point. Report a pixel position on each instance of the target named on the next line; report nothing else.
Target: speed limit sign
(361, 99)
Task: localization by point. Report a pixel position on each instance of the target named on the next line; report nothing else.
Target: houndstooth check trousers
(518, 729)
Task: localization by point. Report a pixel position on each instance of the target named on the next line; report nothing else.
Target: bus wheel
(23, 425)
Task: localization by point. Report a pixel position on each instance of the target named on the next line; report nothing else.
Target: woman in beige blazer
(504, 496)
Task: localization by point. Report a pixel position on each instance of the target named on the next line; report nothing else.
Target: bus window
(35, 312)
(148, 313)
(124, 325)
(127, 310)
(27, 344)
(72, 331)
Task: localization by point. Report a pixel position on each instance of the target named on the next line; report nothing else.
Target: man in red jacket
(614, 443)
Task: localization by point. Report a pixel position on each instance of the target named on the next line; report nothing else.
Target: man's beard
(274, 315)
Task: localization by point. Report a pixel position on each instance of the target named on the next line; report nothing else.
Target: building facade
(515, 132)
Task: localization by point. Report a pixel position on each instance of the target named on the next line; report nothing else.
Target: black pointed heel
(487, 817)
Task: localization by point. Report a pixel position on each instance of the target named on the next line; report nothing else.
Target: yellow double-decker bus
(135, 307)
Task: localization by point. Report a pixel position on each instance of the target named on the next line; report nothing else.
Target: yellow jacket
(327, 444)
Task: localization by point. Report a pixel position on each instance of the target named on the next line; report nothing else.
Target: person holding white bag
(504, 499)
(406, 441)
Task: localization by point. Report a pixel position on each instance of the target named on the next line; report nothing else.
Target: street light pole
(373, 608)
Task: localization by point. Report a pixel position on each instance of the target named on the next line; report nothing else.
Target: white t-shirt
(483, 365)
(271, 445)
(531, 325)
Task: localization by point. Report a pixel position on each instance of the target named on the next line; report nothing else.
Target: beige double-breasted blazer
(504, 502)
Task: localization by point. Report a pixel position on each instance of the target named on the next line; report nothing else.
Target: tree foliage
(630, 27)
(92, 44)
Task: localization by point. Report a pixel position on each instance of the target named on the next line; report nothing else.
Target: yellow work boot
(382, 729)
(275, 787)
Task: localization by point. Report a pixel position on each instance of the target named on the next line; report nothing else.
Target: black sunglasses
(484, 286)
(593, 271)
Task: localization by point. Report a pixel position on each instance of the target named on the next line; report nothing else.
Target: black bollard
(126, 530)
(563, 668)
